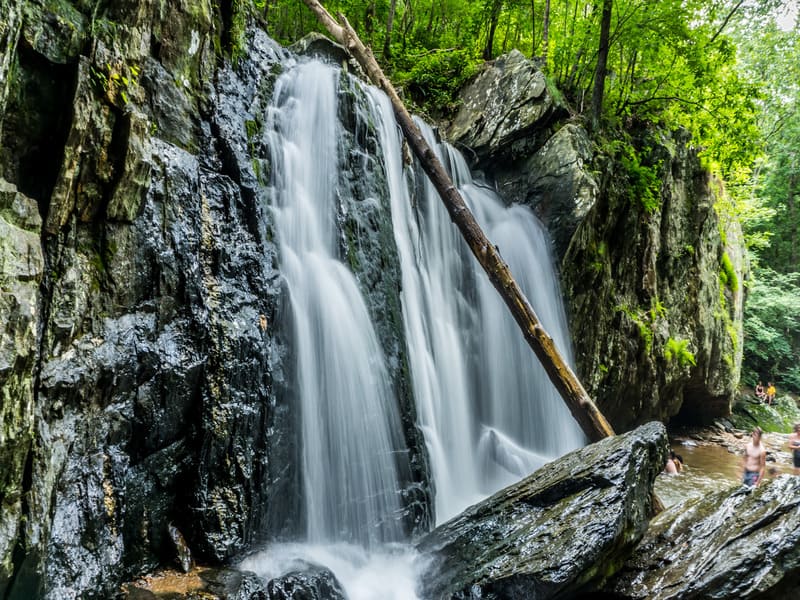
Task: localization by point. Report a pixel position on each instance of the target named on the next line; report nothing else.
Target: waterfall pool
(711, 466)
(388, 573)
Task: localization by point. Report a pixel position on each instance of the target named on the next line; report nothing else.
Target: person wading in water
(755, 459)
(794, 446)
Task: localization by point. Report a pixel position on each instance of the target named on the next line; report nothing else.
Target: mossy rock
(780, 417)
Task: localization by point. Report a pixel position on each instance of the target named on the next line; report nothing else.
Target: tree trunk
(581, 406)
(387, 41)
(545, 33)
(602, 61)
(494, 17)
(792, 210)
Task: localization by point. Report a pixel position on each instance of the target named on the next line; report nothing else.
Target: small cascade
(489, 412)
(350, 424)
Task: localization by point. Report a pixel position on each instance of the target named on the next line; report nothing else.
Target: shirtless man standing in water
(794, 446)
(755, 459)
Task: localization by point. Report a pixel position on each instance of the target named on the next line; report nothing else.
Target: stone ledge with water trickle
(560, 531)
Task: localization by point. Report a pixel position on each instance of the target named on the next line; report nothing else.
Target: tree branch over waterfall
(591, 420)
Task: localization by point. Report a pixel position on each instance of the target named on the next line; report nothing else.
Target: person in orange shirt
(770, 393)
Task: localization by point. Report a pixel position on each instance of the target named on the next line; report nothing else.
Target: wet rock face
(744, 544)
(560, 531)
(141, 373)
(660, 335)
(312, 583)
(505, 110)
(155, 393)
(642, 284)
(21, 271)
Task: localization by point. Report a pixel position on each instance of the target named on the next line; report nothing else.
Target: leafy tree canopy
(728, 71)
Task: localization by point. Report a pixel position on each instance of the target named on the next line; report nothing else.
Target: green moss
(252, 127)
(638, 318)
(600, 251)
(351, 237)
(238, 27)
(678, 351)
(657, 310)
(733, 334)
(727, 274)
(780, 417)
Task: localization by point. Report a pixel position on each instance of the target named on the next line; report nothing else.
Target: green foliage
(434, 79)
(638, 316)
(772, 329)
(678, 351)
(115, 81)
(727, 274)
(657, 310)
(600, 256)
(643, 185)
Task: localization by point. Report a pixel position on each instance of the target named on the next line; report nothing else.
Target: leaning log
(586, 413)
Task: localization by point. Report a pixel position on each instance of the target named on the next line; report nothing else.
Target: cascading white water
(487, 410)
(490, 414)
(351, 434)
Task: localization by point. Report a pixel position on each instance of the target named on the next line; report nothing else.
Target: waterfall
(350, 424)
(488, 412)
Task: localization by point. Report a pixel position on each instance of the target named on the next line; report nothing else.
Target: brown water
(710, 467)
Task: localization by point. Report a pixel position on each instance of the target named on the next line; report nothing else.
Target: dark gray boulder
(560, 531)
(312, 583)
(729, 545)
(505, 110)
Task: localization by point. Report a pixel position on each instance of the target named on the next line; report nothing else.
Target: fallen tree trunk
(591, 420)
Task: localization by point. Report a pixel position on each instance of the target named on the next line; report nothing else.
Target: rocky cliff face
(145, 372)
(652, 273)
(656, 295)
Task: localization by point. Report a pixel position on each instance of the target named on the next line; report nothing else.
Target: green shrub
(435, 78)
(645, 184)
(677, 350)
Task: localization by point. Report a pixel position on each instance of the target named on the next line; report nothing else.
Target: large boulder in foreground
(562, 530)
(726, 546)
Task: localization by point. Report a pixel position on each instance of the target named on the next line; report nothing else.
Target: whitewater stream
(488, 412)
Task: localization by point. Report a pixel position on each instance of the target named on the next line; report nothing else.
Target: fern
(677, 350)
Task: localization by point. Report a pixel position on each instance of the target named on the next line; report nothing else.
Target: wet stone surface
(560, 531)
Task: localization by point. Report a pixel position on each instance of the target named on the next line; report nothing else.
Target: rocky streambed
(582, 525)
